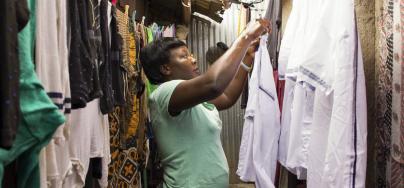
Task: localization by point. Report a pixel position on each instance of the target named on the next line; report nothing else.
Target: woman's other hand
(249, 56)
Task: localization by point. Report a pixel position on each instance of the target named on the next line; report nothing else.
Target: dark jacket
(14, 16)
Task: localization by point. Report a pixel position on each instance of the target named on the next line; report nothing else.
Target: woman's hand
(249, 56)
(256, 29)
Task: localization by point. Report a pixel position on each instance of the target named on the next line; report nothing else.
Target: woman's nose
(193, 60)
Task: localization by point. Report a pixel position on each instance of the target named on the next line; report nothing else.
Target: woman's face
(182, 64)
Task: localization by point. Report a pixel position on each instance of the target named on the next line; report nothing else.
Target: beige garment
(52, 69)
(87, 141)
(242, 20)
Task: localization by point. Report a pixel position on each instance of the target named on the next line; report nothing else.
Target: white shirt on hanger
(259, 145)
(285, 122)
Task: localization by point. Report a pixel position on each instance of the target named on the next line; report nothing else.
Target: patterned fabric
(397, 126)
(127, 134)
(397, 150)
(390, 101)
(397, 174)
(383, 95)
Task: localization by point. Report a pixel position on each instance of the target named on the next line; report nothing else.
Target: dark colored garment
(107, 100)
(94, 34)
(117, 62)
(244, 97)
(10, 178)
(274, 13)
(83, 61)
(14, 16)
(96, 167)
(79, 66)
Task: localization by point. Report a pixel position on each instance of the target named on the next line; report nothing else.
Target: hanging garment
(301, 115)
(274, 13)
(280, 88)
(79, 67)
(327, 27)
(89, 141)
(127, 146)
(397, 125)
(287, 44)
(333, 64)
(14, 16)
(288, 39)
(39, 116)
(95, 48)
(128, 73)
(52, 69)
(357, 140)
(117, 61)
(307, 20)
(259, 144)
(51, 55)
(107, 99)
(83, 67)
(384, 91)
(322, 111)
(106, 159)
(54, 164)
(169, 31)
(285, 122)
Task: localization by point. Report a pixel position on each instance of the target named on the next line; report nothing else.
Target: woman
(184, 107)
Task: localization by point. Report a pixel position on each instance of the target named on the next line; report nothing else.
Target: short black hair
(155, 54)
(215, 52)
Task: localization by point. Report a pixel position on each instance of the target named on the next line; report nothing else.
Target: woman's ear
(165, 70)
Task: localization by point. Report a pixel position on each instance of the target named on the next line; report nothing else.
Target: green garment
(149, 35)
(150, 87)
(40, 117)
(189, 144)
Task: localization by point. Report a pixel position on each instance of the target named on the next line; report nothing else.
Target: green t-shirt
(189, 144)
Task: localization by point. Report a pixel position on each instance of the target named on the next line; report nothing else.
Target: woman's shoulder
(164, 91)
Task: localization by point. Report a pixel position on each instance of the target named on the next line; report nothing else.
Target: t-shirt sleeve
(162, 95)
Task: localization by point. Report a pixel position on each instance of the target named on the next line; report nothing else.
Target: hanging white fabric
(300, 121)
(298, 96)
(324, 53)
(51, 58)
(289, 37)
(259, 145)
(332, 62)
